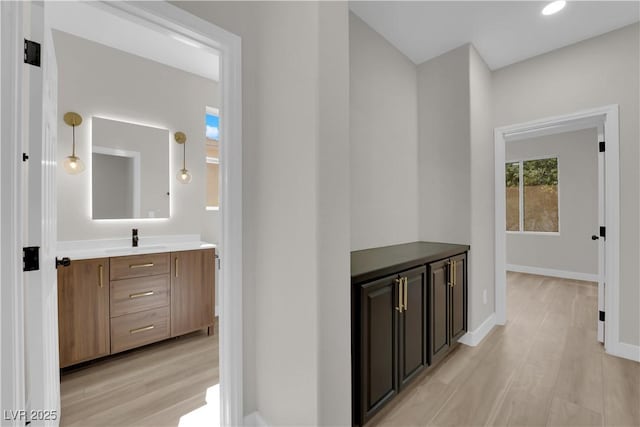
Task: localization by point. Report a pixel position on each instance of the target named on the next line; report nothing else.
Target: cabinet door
(413, 325)
(378, 344)
(83, 311)
(458, 303)
(192, 290)
(439, 304)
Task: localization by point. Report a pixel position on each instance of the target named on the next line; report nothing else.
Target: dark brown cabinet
(448, 304)
(83, 311)
(393, 344)
(408, 309)
(192, 290)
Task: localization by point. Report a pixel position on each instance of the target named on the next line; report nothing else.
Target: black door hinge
(31, 258)
(31, 53)
(603, 232)
(601, 146)
(601, 316)
(25, 157)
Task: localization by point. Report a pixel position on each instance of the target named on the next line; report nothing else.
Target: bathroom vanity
(408, 310)
(116, 299)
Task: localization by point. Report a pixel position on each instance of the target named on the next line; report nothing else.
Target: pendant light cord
(74, 139)
(184, 155)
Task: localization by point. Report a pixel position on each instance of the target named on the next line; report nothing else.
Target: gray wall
(95, 80)
(296, 209)
(455, 152)
(572, 250)
(597, 72)
(383, 139)
(482, 218)
(443, 148)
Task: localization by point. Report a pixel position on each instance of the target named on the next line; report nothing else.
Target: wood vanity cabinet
(109, 305)
(140, 296)
(393, 336)
(83, 311)
(448, 304)
(192, 292)
(408, 309)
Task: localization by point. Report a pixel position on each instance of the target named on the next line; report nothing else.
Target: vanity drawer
(133, 330)
(126, 267)
(139, 294)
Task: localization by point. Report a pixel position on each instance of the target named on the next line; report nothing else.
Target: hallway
(545, 367)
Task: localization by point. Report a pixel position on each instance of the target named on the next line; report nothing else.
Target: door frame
(12, 355)
(607, 117)
(175, 20)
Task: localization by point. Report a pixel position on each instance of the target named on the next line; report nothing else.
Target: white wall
(95, 80)
(444, 148)
(383, 139)
(334, 263)
(593, 73)
(482, 218)
(572, 250)
(296, 211)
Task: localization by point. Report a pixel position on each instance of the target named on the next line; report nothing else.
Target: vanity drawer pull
(141, 294)
(149, 264)
(144, 328)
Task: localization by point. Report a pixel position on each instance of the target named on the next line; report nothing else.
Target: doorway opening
(603, 125)
(36, 354)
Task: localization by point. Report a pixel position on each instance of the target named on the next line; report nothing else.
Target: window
(532, 195)
(212, 142)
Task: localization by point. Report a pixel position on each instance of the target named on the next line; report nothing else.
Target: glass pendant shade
(183, 176)
(73, 165)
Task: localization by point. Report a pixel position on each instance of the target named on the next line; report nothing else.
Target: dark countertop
(369, 264)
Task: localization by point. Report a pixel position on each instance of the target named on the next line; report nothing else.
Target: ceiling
(503, 32)
(95, 23)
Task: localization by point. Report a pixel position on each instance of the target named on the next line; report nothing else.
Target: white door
(601, 239)
(30, 375)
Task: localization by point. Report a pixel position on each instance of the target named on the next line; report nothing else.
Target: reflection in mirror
(130, 170)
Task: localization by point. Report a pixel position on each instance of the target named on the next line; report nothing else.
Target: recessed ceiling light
(554, 7)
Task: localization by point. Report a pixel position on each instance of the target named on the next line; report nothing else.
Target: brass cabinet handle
(100, 275)
(176, 266)
(455, 273)
(399, 285)
(141, 294)
(406, 302)
(149, 264)
(144, 328)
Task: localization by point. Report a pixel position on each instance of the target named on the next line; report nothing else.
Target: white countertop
(105, 248)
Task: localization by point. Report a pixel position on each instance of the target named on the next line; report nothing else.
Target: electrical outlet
(484, 296)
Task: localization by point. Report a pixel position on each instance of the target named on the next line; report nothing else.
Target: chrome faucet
(134, 237)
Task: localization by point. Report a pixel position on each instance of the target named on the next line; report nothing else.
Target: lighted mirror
(130, 170)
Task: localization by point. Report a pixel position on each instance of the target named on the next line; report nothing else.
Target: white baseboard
(473, 338)
(573, 275)
(254, 420)
(626, 351)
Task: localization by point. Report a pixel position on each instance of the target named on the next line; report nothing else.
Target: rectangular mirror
(130, 170)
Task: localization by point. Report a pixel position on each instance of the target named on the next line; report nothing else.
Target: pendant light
(72, 164)
(183, 176)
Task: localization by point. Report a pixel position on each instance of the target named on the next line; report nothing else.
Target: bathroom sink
(139, 249)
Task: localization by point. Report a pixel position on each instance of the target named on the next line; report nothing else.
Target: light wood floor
(151, 386)
(544, 367)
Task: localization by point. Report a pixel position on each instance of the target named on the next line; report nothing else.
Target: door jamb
(607, 115)
(12, 368)
(176, 20)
